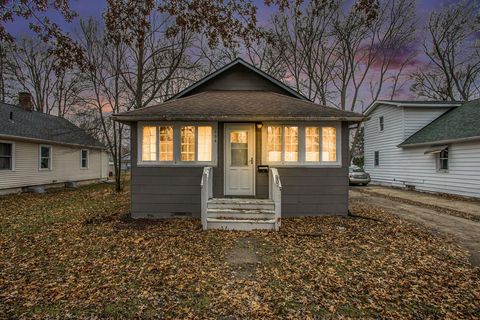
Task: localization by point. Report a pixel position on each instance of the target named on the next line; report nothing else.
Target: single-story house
(430, 146)
(38, 150)
(239, 149)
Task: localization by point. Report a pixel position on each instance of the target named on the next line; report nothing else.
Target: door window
(239, 148)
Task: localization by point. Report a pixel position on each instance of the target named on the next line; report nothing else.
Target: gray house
(240, 150)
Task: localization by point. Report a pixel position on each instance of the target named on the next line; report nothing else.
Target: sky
(88, 8)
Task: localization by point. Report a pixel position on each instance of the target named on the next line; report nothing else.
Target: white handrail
(276, 195)
(206, 190)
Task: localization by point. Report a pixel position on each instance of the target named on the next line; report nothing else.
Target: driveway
(453, 216)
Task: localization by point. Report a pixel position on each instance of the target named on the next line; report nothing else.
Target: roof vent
(25, 101)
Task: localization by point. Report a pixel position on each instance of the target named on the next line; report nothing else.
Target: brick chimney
(25, 101)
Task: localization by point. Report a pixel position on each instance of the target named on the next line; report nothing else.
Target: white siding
(65, 166)
(417, 118)
(410, 166)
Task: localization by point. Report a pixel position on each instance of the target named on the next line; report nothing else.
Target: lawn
(76, 253)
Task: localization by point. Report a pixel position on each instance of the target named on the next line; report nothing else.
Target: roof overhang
(35, 140)
(235, 62)
(233, 118)
(439, 142)
(432, 104)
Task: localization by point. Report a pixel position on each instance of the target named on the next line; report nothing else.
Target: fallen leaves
(76, 253)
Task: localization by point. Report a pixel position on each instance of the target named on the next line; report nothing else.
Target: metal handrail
(276, 195)
(206, 190)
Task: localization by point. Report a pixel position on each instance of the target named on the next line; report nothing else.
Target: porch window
(166, 143)
(291, 144)
(149, 144)
(329, 144)
(274, 143)
(205, 143)
(312, 144)
(188, 143)
(306, 145)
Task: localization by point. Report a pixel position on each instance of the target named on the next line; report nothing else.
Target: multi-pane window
(166, 143)
(312, 144)
(188, 143)
(376, 158)
(84, 159)
(329, 144)
(274, 143)
(204, 143)
(149, 143)
(45, 157)
(291, 144)
(443, 160)
(6, 156)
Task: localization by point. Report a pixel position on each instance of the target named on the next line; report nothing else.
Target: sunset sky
(87, 8)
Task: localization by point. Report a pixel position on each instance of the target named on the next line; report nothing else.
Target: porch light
(259, 125)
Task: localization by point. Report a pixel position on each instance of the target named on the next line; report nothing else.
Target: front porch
(240, 213)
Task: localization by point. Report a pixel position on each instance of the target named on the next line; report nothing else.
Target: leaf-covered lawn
(75, 253)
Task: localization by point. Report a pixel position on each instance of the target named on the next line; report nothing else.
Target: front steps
(240, 214)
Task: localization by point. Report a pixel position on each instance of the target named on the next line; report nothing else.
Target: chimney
(25, 101)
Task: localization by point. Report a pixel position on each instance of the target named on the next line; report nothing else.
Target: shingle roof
(461, 123)
(40, 126)
(238, 106)
(411, 104)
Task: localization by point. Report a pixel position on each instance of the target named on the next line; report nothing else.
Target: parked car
(357, 175)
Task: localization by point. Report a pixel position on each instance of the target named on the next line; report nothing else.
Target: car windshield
(356, 169)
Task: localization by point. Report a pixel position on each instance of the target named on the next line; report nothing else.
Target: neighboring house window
(45, 157)
(176, 144)
(443, 160)
(84, 159)
(380, 123)
(301, 145)
(377, 158)
(6, 156)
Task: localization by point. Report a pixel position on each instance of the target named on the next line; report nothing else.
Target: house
(240, 150)
(429, 146)
(39, 150)
(124, 166)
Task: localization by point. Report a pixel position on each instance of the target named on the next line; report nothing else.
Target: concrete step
(240, 203)
(240, 213)
(241, 224)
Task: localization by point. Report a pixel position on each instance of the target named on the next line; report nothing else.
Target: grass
(76, 253)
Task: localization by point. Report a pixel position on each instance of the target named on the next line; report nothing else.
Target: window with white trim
(309, 144)
(177, 144)
(443, 160)
(45, 158)
(84, 158)
(6, 156)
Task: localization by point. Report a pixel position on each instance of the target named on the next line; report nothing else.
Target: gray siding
(316, 191)
(238, 78)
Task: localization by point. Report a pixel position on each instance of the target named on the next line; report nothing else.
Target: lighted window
(188, 143)
(312, 144)
(166, 143)
(291, 144)
(205, 143)
(274, 143)
(149, 144)
(329, 144)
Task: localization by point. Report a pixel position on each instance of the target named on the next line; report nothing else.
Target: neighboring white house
(37, 149)
(429, 146)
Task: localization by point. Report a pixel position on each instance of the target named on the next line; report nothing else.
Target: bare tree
(453, 50)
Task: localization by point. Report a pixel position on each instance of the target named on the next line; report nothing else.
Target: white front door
(239, 159)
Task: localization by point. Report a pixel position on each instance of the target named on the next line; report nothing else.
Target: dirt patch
(243, 257)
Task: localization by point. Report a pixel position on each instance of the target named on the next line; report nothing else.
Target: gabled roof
(238, 105)
(236, 62)
(458, 124)
(37, 126)
(411, 104)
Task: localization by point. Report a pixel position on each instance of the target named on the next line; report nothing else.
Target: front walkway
(456, 217)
